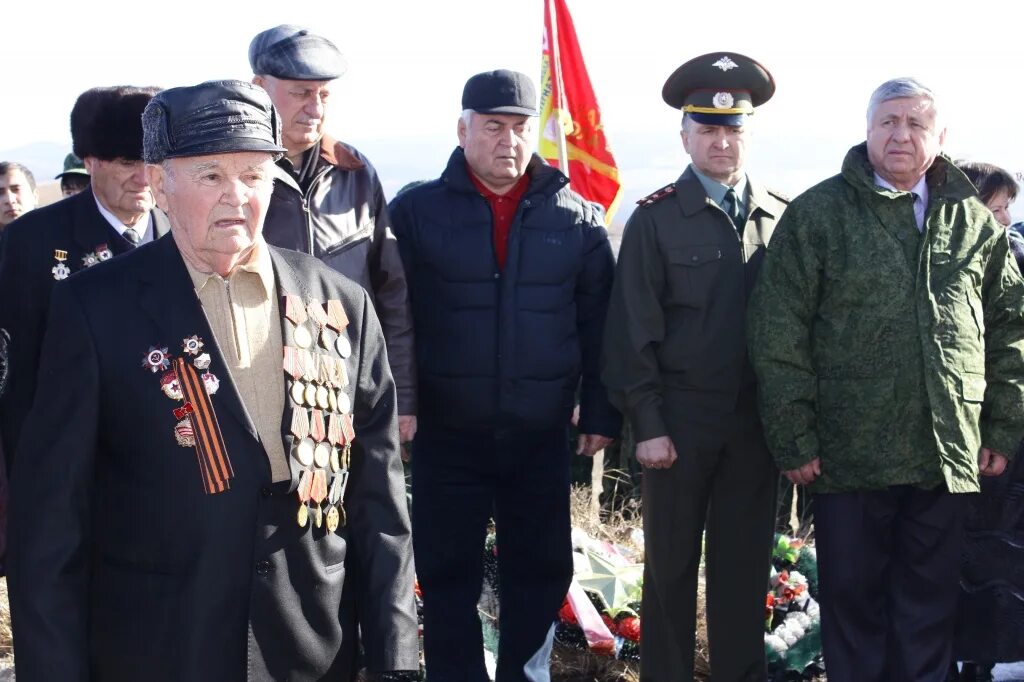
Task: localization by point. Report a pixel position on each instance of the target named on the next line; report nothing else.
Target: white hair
(898, 88)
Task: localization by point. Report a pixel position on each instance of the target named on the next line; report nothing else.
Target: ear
(91, 163)
(942, 138)
(157, 178)
(259, 80)
(461, 132)
(686, 140)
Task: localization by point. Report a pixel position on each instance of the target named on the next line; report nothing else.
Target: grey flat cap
(216, 117)
(295, 53)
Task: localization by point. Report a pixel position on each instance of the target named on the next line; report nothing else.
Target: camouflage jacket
(891, 354)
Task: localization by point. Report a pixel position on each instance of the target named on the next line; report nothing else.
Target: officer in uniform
(675, 362)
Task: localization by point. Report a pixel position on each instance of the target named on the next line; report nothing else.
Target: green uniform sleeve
(779, 320)
(634, 329)
(1002, 423)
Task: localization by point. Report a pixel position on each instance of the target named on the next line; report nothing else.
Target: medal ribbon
(213, 456)
(337, 319)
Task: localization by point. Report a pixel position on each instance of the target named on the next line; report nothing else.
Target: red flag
(571, 132)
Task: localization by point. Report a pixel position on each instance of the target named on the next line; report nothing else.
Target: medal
(211, 382)
(309, 395)
(318, 515)
(334, 434)
(202, 362)
(321, 397)
(332, 519)
(293, 309)
(343, 346)
(303, 516)
(335, 460)
(103, 252)
(322, 455)
(184, 434)
(291, 362)
(170, 386)
(298, 392)
(89, 260)
(60, 270)
(344, 403)
(347, 429)
(332, 401)
(300, 423)
(192, 345)
(336, 318)
(156, 359)
(303, 337)
(317, 428)
(318, 488)
(305, 483)
(304, 454)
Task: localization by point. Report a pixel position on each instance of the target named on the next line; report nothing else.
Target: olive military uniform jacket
(890, 354)
(123, 568)
(676, 317)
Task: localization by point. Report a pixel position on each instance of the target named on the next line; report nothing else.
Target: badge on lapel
(98, 255)
(321, 408)
(196, 425)
(60, 270)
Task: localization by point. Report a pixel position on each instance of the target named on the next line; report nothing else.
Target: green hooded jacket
(891, 354)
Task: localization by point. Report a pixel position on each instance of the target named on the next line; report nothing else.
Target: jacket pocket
(692, 273)
(855, 423)
(972, 387)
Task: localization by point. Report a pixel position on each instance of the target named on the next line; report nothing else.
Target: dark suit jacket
(27, 258)
(122, 568)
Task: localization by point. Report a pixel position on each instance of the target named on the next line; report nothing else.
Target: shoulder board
(779, 195)
(655, 197)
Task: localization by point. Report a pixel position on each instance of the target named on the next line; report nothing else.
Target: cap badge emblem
(723, 100)
(725, 64)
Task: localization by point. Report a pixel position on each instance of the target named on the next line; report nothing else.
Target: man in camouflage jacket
(887, 333)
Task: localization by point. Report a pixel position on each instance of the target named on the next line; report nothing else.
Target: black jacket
(122, 567)
(27, 261)
(506, 348)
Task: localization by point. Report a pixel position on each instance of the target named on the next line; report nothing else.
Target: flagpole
(559, 106)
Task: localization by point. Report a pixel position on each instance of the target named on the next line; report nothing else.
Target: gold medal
(335, 460)
(332, 401)
(303, 337)
(322, 454)
(321, 397)
(303, 516)
(318, 515)
(310, 395)
(304, 451)
(332, 519)
(298, 392)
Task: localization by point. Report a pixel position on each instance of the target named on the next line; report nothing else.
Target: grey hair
(467, 115)
(898, 88)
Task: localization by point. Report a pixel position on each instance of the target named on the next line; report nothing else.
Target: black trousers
(461, 479)
(724, 483)
(888, 570)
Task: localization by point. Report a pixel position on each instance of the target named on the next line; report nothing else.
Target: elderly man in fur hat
(45, 246)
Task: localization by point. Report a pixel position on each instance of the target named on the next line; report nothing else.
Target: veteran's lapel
(317, 424)
(171, 302)
(92, 232)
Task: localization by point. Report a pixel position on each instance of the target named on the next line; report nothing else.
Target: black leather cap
(500, 92)
(295, 53)
(215, 117)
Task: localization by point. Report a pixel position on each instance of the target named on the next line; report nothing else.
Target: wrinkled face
(302, 106)
(904, 139)
(999, 204)
(16, 196)
(216, 205)
(498, 147)
(121, 187)
(718, 152)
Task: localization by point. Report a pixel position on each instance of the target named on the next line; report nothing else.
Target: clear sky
(409, 60)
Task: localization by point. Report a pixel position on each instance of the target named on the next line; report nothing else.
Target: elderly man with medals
(212, 486)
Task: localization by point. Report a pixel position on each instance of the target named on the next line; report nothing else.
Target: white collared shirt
(143, 227)
(920, 192)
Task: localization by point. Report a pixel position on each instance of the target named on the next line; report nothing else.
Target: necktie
(732, 208)
(131, 235)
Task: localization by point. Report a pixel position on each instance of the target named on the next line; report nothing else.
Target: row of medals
(321, 412)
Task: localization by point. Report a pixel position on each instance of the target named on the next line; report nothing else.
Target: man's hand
(991, 463)
(589, 444)
(806, 474)
(406, 427)
(656, 453)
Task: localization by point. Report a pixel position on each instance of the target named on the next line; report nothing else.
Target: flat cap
(106, 122)
(295, 53)
(500, 92)
(719, 88)
(72, 166)
(215, 117)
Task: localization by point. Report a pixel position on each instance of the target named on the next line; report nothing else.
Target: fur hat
(107, 122)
